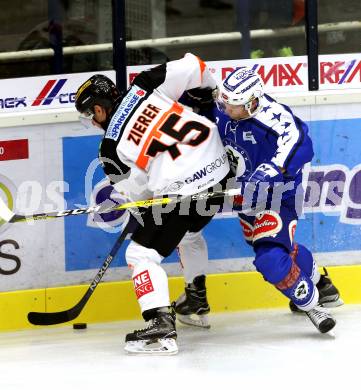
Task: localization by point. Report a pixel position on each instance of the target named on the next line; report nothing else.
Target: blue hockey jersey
(273, 134)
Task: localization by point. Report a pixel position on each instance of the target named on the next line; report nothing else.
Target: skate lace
(150, 324)
(319, 313)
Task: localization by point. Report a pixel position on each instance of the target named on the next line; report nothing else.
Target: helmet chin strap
(248, 107)
(256, 109)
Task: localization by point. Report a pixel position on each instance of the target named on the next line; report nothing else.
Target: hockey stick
(10, 217)
(38, 318)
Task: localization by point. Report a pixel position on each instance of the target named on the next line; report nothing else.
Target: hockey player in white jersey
(154, 146)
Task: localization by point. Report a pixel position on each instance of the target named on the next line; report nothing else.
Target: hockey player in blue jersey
(268, 146)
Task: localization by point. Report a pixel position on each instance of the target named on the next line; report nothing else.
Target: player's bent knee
(305, 259)
(273, 262)
(136, 254)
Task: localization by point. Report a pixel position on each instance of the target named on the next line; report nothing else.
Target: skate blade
(159, 347)
(331, 333)
(200, 321)
(338, 302)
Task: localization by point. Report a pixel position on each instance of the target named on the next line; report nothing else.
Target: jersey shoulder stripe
(152, 78)
(202, 66)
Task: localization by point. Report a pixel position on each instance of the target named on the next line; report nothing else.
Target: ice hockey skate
(192, 306)
(321, 318)
(329, 295)
(158, 338)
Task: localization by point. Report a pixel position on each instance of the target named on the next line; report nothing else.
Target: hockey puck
(80, 325)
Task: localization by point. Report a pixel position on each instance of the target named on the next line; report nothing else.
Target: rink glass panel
(43, 24)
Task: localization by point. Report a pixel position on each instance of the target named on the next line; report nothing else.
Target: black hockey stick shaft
(38, 318)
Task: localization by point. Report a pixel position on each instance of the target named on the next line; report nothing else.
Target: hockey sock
(280, 269)
(149, 278)
(306, 262)
(193, 255)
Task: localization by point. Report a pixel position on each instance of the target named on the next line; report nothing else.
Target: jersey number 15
(156, 146)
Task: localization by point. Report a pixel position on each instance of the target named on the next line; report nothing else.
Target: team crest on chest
(238, 159)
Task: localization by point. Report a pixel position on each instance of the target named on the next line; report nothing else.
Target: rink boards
(52, 165)
(115, 301)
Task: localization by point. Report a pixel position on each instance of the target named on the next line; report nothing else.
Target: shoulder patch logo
(131, 99)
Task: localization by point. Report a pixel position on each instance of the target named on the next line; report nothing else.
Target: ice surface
(274, 349)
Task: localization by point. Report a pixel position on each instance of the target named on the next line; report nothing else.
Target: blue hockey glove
(266, 173)
(257, 186)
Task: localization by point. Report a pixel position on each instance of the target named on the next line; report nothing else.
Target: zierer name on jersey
(142, 122)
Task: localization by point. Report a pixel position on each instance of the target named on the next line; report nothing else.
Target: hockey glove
(266, 173)
(200, 98)
(258, 184)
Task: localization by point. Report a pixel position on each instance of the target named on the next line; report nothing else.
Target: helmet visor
(222, 101)
(89, 113)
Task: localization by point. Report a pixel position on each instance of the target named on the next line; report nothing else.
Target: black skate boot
(329, 295)
(192, 307)
(321, 318)
(161, 332)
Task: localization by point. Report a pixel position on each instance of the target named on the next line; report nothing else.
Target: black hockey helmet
(99, 89)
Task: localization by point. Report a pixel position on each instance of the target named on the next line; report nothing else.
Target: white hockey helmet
(241, 88)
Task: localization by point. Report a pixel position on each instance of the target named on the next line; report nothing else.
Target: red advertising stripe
(14, 150)
(43, 92)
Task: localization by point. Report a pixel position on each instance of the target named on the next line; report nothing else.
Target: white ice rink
(270, 349)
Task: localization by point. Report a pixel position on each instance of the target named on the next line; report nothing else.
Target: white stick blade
(5, 213)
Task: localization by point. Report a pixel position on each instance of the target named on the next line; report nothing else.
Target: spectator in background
(273, 14)
(298, 13)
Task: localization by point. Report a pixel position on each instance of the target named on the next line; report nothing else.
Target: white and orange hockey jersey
(154, 145)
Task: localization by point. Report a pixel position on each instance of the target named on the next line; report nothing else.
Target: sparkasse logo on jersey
(125, 108)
